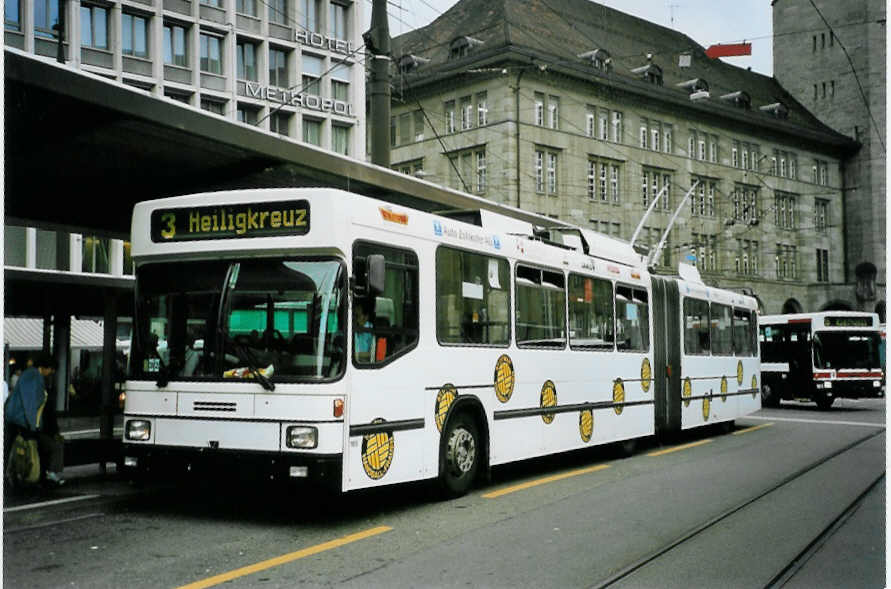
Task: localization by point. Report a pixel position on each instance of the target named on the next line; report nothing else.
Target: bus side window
(696, 327)
(744, 341)
(632, 319)
(386, 325)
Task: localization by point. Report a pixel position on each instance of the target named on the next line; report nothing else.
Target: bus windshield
(273, 320)
(846, 349)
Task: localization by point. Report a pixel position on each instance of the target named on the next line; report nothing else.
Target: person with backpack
(24, 415)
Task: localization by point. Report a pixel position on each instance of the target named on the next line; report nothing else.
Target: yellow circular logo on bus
(618, 396)
(548, 399)
(739, 372)
(586, 424)
(646, 375)
(687, 391)
(754, 386)
(724, 389)
(377, 452)
(706, 407)
(504, 378)
(444, 399)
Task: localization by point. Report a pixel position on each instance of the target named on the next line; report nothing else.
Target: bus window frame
(711, 307)
(510, 320)
(616, 285)
(374, 365)
(754, 329)
(708, 327)
(541, 268)
(612, 286)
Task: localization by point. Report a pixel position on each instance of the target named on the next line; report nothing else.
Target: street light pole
(377, 41)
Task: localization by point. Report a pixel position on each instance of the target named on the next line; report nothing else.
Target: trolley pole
(377, 41)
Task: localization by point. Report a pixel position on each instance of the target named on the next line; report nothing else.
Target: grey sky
(705, 21)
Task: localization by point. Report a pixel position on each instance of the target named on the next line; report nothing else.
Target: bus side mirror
(375, 274)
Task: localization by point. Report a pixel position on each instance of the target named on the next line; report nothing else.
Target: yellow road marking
(751, 429)
(551, 479)
(678, 448)
(285, 558)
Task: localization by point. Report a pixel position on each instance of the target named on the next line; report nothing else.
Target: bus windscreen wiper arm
(245, 355)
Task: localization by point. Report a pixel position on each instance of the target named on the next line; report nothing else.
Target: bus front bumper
(853, 389)
(144, 461)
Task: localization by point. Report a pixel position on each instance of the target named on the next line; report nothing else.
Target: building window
(310, 11)
(175, 45)
(822, 265)
(312, 131)
(46, 16)
(713, 149)
(280, 122)
(691, 145)
(821, 214)
(278, 68)
(278, 12)
(667, 147)
(93, 26)
(449, 111)
(337, 21)
(217, 107)
(12, 15)
(247, 115)
(553, 112)
(785, 261)
(745, 204)
(246, 59)
(481, 171)
(643, 134)
(312, 74)
(618, 127)
(824, 173)
(466, 113)
(405, 128)
(734, 154)
(603, 124)
(340, 139)
(211, 54)
(552, 173)
(340, 82)
(482, 110)
(589, 123)
(248, 7)
(419, 125)
(539, 165)
(539, 109)
(134, 35)
(603, 180)
(784, 210)
(702, 150)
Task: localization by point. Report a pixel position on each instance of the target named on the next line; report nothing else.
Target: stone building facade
(583, 113)
(293, 67)
(831, 56)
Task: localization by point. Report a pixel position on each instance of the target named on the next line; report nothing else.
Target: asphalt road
(793, 497)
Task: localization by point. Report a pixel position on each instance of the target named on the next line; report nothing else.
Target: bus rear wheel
(459, 456)
(769, 397)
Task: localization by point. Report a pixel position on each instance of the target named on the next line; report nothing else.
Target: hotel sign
(299, 99)
(322, 42)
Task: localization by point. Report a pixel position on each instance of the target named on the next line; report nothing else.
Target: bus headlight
(139, 430)
(301, 436)
(876, 383)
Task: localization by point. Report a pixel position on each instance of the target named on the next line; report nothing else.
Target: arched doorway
(792, 306)
(837, 305)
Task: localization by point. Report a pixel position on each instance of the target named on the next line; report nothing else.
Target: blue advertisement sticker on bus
(437, 228)
(496, 243)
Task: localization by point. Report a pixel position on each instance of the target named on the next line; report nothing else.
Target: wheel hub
(461, 451)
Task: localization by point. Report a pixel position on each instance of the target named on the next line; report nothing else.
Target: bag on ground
(24, 461)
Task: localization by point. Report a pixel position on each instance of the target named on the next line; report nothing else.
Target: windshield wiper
(245, 355)
(164, 373)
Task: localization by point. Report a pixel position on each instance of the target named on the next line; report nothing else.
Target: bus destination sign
(848, 322)
(263, 219)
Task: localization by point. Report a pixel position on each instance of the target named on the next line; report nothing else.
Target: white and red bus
(821, 356)
(318, 334)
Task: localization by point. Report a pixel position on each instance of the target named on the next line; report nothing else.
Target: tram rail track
(787, 571)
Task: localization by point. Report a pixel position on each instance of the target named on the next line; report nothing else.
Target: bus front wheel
(824, 401)
(459, 456)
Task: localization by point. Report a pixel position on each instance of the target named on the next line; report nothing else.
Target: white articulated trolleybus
(821, 356)
(320, 334)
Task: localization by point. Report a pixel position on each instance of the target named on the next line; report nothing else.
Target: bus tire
(459, 455)
(823, 401)
(769, 397)
(627, 447)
